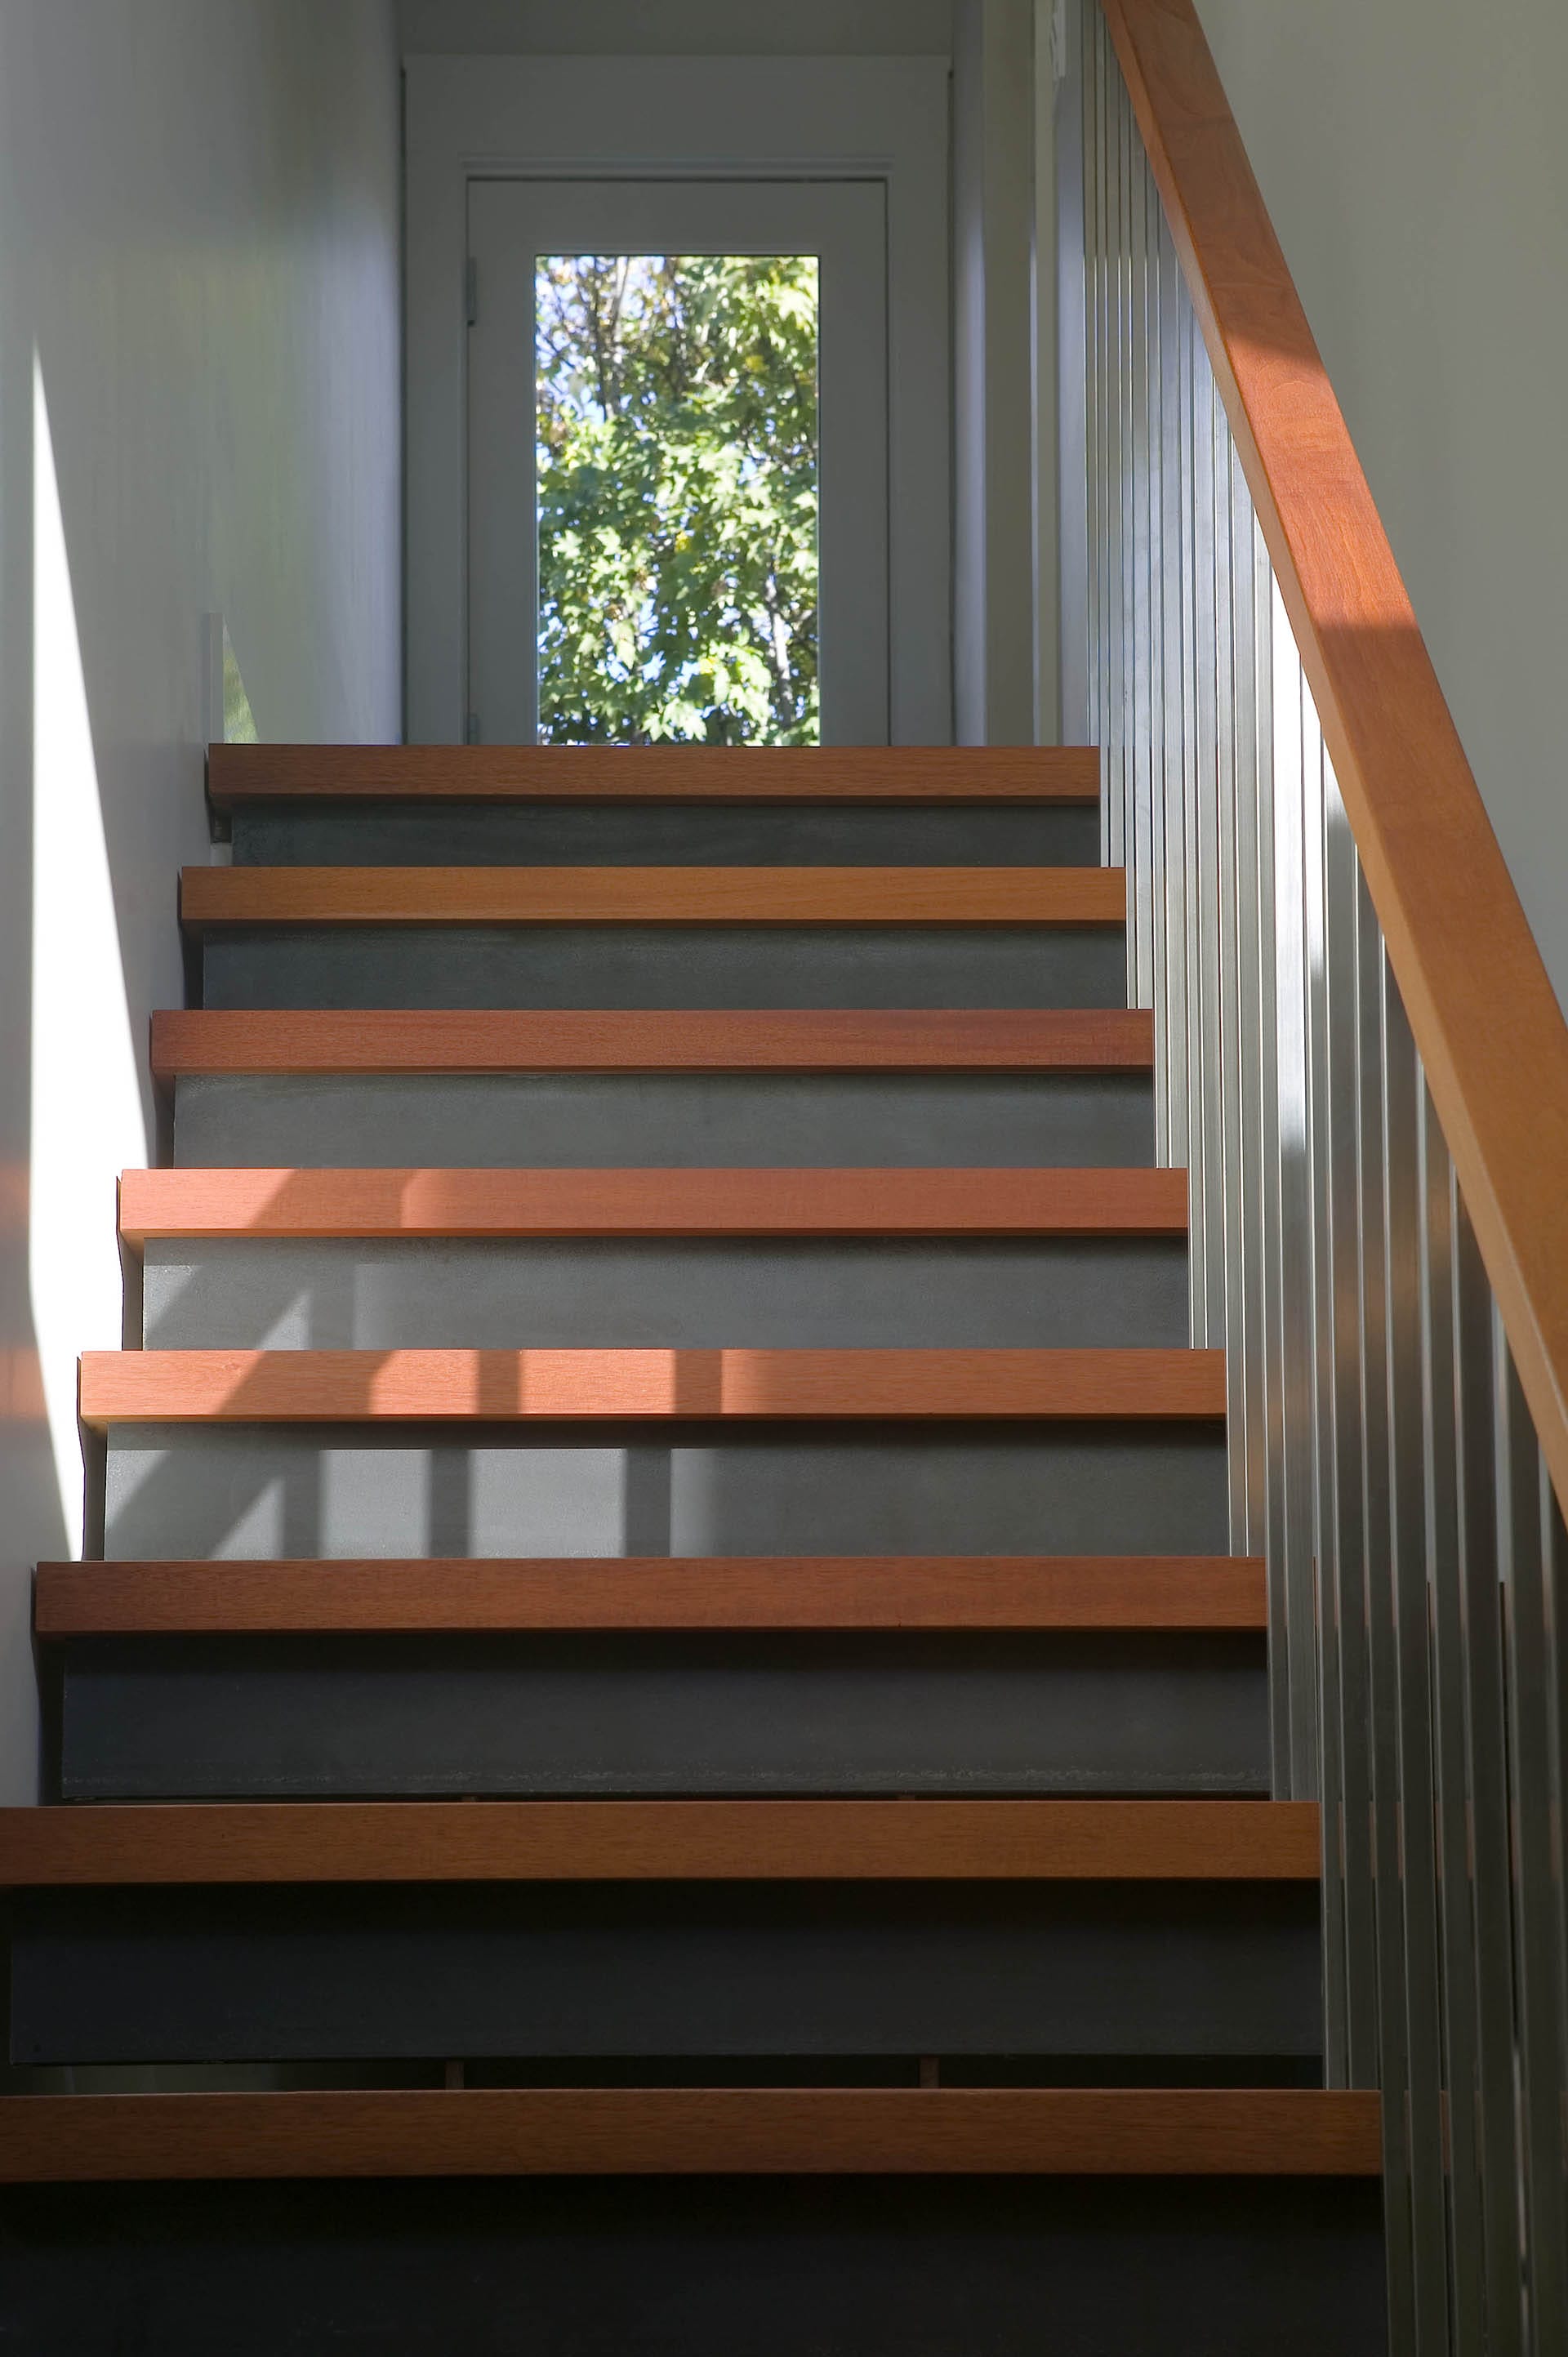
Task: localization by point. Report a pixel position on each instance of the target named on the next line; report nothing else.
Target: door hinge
(471, 728)
(471, 290)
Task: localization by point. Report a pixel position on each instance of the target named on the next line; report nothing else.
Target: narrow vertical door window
(676, 429)
(677, 463)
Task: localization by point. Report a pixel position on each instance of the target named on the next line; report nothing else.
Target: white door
(841, 163)
(678, 461)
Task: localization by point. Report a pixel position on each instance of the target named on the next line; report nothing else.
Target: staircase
(665, 1754)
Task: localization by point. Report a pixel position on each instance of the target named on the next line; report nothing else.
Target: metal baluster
(1152, 645)
(1193, 554)
(1229, 669)
(1486, 1784)
(1090, 31)
(1407, 1604)
(1383, 1724)
(1206, 600)
(1341, 1348)
(1455, 1895)
(1535, 1871)
(1318, 783)
(1299, 751)
(1097, 151)
(1136, 557)
(1123, 622)
(1554, 1601)
(1254, 856)
(1172, 882)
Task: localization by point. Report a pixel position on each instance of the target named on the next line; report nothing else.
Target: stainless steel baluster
(1407, 1603)
(1341, 1346)
(1443, 1602)
(1538, 1958)
(1318, 783)
(1172, 879)
(1485, 1781)
(1382, 1731)
(1206, 597)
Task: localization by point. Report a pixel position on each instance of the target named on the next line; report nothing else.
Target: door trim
(844, 224)
(883, 119)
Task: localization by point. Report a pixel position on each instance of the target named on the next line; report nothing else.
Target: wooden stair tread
(640, 2131)
(602, 1202)
(215, 897)
(916, 773)
(412, 1385)
(509, 1039)
(593, 1841)
(947, 1592)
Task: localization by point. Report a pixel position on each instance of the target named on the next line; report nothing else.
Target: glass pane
(677, 470)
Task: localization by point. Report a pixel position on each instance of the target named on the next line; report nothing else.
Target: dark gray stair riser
(663, 1120)
(1208, 1979)
(664, 966)
(677, 835)
(626, 2268)
(589, 1715)
(242, 1491)
(665, 1970)
(348, 1294)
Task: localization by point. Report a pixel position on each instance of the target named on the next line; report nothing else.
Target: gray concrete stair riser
(697, 1294)
(588, 1715)
(670, 834)
(656, 1970)
(677, 1121)
(664, 966)
(242, 1491)
(706, 2267)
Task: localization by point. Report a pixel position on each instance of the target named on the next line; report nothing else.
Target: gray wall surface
(198, 413)
(993, 395)
(1413, 158)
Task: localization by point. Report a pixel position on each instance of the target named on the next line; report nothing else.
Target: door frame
(883, 119)
(843, 224)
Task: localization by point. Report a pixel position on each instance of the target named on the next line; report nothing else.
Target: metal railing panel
(1381, 1454)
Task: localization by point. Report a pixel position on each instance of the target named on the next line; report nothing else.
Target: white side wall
(994, 424)
(1412, 155)
(200, 216)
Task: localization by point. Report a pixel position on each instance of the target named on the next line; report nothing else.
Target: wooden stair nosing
(567, 1385)
(223, 1842)
(615, 2131)
(447, 1203)
(508, 1040)
(1154, 1593)
(1046, 773)
(213, 898)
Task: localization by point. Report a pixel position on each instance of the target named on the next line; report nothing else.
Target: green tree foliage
(677, 457)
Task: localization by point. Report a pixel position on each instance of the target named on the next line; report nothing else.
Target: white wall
(198, 411)
(1412, 155)
(733, 28)
(994, 424)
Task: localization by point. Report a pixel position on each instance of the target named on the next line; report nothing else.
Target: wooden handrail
(1484, 1017)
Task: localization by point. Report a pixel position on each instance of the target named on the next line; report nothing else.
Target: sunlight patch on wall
(87, 1117)
(239, 720)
